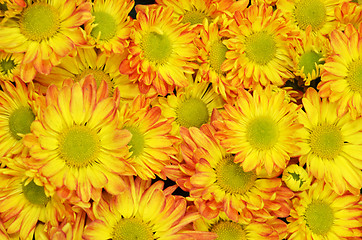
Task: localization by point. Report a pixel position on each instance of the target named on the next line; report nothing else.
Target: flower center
(20, 121)
(227, 230)
(310, 12)
(260, 47)
(137, 142)
(194, 17)
(39, 21)
(3, 7)
(262, 133)
(192, 112)
(326, 141)
(319, 217)
(104, 25)
(79, 146)
(35, 194)
(355, 76)
(217, 55)
(156, 47)
(98, 75)
(309, 60)
(7, 65)
(231, 177)
(132, 229)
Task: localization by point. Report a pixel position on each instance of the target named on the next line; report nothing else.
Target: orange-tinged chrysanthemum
(10, 66)
(161, 51)
(331, 145)
(217, 183)
(18, 108)
(258, 47)
(76, 143)
(26, 198)
(10, 8)
(321, 214)
(110, 26)
(151, 142)
(142, 211)
(341, 80)
(261, 129)
(45, 31)
(348, 13)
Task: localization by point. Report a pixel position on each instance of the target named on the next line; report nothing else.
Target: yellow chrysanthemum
(217, 183)
(320, 214)
(110, 26)
(191, 106)
(331, 145)
(18, 108)
(161, 51)
(261, 129)
(76, 143)
(142, 211)
(319, 14)
(341, 79)
(66, 229)
(348, 13)
(151, 143)
(258, 47)
(226, 229)
(10, 66)
(10, 8)
(27, 199)
(296, 178)
(45, 31)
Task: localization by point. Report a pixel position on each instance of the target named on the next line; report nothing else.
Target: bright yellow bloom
(331, 145)
(296, 178)
(341, 79)
(142, 211)
(321, 214)
(261, 129)
(10, 66)
(76, 143)
(161, 51)
(110, 26)
(45, 31)
(348, 13)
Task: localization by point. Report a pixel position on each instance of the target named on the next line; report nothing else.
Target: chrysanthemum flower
(10, 8)
(76, 142)
(110, 26)
(296, 178)
(348, 13)
(68, 229)
(225, 228)
(26, 198)
(217, 183)
(331, 145)
(257, 43)
(142, 211)
(261, 129)
(316, 13)
(191, 106)
(151, 143)
(10, 66)
(341, 80)
(308, 52)
(45, 31)
(161, 51)
(320, 213)
(18, 108)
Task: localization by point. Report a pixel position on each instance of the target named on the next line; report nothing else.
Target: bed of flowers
(180, 119)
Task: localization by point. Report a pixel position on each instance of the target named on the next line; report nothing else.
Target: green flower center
(39, 21)
(260, 47)
(104, 25)
(227, 230)
(309, 60)
(3, 7)
(156, 47)
(262, 133)
(132, 229)
(231, 177)
(326, 141)
(20, 121)
(217, 55)
(310, 12)
(192, 112)
(98, 75)
(319, 217)
(7, 65)
(137, 142)
(354, 77)
(35, 194)
(79, 146)
(194, 17)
